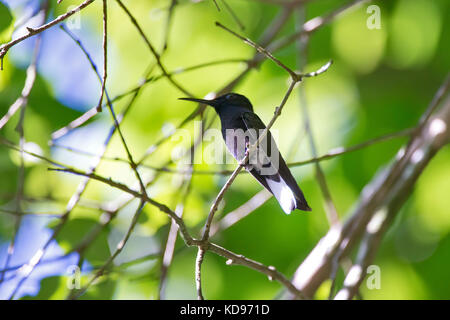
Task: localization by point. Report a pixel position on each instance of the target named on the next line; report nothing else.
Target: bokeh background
(381, 82)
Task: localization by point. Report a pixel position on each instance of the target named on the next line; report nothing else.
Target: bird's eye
(228, 96)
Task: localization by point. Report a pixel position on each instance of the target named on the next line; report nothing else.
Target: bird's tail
(283, 186)
(287, 193)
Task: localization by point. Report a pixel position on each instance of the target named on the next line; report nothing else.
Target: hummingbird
(241, 127)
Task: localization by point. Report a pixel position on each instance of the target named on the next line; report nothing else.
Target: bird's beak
(208, 102)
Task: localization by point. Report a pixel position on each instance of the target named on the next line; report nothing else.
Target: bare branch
(136, 194)
(270, 271)
(218, 199)
(34, 31)
(262, 50)
(198, 272)
(313, 25)
(233, 15)
(105, 54)
(171, 9)
(152, 49)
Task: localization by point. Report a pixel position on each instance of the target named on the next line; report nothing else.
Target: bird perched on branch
(241, 129)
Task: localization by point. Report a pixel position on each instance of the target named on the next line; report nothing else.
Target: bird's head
(225, 101)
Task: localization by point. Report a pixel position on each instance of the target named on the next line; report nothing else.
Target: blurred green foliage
(381, 82)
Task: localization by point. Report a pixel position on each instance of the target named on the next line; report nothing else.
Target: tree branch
(34, 31)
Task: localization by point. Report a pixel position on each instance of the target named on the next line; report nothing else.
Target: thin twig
(313, 25)
(34, 31)
(233, 15)
(270, 271)
(262, 50)
(205, 238)
(136, 194)
(152, 49)
(105, 54)
(170, 12)
(217, 5)
(198, 272)
(218, 199)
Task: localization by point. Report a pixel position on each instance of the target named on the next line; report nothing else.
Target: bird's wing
(255, 128)
(251, 120)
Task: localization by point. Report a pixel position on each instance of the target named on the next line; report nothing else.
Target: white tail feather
(283, 194)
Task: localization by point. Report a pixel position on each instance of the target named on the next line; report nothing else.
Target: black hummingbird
(241, 127)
